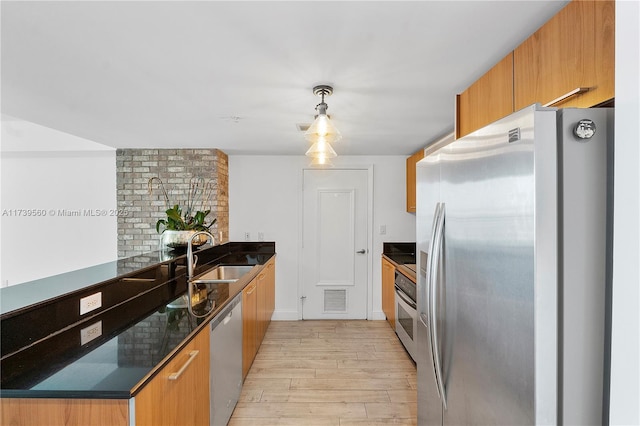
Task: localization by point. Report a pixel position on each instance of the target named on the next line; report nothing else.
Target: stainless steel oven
(406, 315)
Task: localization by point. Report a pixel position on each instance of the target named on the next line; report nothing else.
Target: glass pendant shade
(321, 149)
(322, 127)
(321, 162)
(322, 133)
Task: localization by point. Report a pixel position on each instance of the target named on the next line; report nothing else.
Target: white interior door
(334, 244)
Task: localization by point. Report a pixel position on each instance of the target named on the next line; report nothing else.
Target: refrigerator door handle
(434, 269)
(423, 320)
(424, 293)
(427, 273)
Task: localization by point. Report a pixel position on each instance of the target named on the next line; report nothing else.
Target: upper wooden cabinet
(574, 49)
(411, 180)
(487, 100)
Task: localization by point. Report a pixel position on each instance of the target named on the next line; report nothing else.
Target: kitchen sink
(223, 274)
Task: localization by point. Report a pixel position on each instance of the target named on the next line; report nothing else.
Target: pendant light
(322, 133)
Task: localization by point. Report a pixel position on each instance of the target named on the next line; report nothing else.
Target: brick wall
(176, 167)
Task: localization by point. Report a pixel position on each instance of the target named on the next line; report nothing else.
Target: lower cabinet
(249, 325)
(71, 412)
(179, 393)
(266, 298)
(388, 292)
(258, 304)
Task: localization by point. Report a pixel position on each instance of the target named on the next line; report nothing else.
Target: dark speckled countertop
(136, 338)
(403, 256)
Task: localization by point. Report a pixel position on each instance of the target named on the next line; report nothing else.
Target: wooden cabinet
(261, 312)
(258, 304)
(68, 412)
(411, 180)
(574, 49)
(179, 393)
(249, 325)
(487, 100)
(267, 286)
(388, 292)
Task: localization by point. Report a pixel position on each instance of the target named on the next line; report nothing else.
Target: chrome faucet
(192, 259)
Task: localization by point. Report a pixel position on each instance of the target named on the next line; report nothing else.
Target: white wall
(625, 353)
(265, 196)
(45, 171)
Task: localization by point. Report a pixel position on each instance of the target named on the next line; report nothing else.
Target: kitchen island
(103, 361)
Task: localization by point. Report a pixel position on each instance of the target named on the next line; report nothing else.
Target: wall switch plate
(90, 303)
(383, 229)
(260, 236)
(247, 236)
(87, 334)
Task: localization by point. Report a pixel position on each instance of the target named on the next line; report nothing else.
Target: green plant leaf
(160, 222)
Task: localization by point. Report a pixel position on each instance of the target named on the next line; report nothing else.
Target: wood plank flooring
(333, 373)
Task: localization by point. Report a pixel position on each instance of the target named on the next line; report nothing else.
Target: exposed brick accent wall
(176, 167)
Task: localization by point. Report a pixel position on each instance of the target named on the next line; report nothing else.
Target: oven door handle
(405, 298)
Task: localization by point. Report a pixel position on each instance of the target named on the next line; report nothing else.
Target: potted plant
(180, 223)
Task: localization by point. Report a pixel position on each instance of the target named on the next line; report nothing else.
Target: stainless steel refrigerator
(514, 251)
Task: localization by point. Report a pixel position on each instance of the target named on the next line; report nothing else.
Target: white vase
(180, 239)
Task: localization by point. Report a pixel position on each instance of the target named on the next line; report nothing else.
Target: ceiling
(238, 75)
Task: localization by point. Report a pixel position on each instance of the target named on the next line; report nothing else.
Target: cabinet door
(263, 290)
(68, 412)
(489, 99)
(574, 49)
(411, 180)
(179, 393)
(271, 293)
(249, 326)
(388, 292)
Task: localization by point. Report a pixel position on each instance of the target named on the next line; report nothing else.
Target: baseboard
(377, 315)
(279, 315)
(285, 316)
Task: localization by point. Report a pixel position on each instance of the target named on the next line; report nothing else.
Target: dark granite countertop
(401, 254)
(135, 339)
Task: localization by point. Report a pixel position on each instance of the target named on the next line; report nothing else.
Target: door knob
(361, 251)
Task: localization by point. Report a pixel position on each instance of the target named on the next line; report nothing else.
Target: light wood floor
(329, 373)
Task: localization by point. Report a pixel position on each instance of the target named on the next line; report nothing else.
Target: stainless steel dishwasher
(226, 362)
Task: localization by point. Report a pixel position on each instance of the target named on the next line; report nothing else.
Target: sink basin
(223, 274)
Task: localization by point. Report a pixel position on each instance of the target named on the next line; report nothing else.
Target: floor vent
(335, 300)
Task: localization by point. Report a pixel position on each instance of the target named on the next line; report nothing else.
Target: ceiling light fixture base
(322, 90)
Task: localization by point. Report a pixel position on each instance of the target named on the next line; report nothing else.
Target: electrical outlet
(383, 229)
(87, 334)
(247, 236)
(90, 303)
(5, 283)
(260, 236)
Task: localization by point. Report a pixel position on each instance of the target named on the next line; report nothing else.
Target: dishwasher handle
(225, 316)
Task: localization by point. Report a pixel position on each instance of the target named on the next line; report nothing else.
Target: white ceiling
(238, 75)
